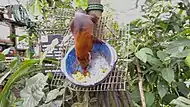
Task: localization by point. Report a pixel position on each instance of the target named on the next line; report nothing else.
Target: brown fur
(82, 30)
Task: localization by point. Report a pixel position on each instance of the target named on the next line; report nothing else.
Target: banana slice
(78, 76)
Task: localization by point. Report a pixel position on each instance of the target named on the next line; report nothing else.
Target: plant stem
(140, 83)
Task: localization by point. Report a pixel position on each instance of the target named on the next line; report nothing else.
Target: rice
(98, 67)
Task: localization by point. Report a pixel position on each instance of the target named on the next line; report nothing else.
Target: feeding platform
(115, 81)
(102, 63)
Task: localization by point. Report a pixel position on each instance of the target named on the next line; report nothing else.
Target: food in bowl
(103, 61)
(98, 66)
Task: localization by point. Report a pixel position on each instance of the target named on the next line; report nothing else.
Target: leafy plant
(81, 4)
(180, 102)
(162, 46)
(25, 68)
(159, 42)
(35, 94)
(32, 93)
(22, 69)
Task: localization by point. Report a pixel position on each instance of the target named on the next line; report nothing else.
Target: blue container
(69, 62)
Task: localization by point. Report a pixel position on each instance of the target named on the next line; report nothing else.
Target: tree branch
(136, 5)
(140, 83)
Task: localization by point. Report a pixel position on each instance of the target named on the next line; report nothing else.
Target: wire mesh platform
(114, 82)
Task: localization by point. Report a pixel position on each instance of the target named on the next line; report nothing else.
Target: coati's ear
(94, 18)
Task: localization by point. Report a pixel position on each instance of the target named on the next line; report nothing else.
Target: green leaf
(135, 95)
(186, 32)
(177, 47)
(12, 36)
(187, 60)
(168, 74)
(2, 66)
(162, 88)
(181, 102)
(163, 25)
(52, 95)
(37, 80)
(135, 104)
(22, 37)
(162, 55)
(182, 54)
(182, 88)
(141, 55)
(23, 70)
(2, 57)
(152, 78)
(147, 51)
(179, 43)
(32, 93)
(35, 7)
(59, 3)
(174, 50)
(81, 3)
(183, 99)
(50, 75)
(153, 61)
(169, 97)
(149, 98)
(14, 64)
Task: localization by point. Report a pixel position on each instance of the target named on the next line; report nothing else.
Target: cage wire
(106, 29)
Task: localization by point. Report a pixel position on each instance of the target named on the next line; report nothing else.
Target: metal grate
(8, 60)
(115, 81)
